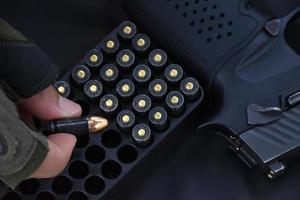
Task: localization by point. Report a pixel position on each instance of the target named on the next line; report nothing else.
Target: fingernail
(69, 107)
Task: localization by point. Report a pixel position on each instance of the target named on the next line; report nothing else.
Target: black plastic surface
(206, 32)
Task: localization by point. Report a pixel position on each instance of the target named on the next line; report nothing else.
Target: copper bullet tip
(96, 124)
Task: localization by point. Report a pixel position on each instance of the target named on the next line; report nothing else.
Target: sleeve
(21, 150)
(24, 71)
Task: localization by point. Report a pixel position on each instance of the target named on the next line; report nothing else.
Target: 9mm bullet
(109, 73)
(109, 105)
(141, 104)
(81, 74)
(126, 59)
(93, 89)
(142, 135)
(158, 118)
(158, 89)
(111, 45)
(141, 43)
(142, 74)
(93, 58)
(75, 126)
(125, 120)
(63, 88)
(191, 88)
(158, 59)
(175, 103)
(173, 74)
(125, 89)
(127, 30)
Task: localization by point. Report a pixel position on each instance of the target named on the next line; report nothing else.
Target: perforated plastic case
(103, 164)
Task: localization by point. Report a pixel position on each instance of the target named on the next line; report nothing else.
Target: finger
(48, 105)
(61, 146)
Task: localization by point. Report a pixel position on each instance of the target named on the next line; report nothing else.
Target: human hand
(49, 105)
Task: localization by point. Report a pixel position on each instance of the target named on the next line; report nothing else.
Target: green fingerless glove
(21, 150)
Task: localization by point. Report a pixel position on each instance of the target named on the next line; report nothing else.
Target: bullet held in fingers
(76, 126)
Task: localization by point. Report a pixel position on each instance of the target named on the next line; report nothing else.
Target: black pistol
(247, 55)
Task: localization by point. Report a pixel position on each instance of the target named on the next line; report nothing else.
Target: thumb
(60, 150)
(48, 105)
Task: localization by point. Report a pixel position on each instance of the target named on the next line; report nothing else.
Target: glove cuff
(25, 69)
(23, 150)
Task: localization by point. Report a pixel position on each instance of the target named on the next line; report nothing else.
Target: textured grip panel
(200, 33)
(276, 139)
